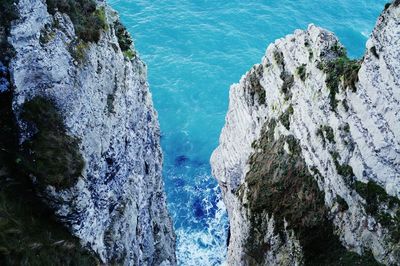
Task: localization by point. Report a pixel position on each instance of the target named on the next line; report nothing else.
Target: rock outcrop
(309, 157)
(115, 202)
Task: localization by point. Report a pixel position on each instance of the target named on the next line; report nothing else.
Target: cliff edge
(309, 157)
(88, 135)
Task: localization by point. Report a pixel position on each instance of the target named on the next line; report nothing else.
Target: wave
(200, 220)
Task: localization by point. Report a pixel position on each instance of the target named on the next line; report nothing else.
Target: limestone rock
(345, 116)
(118, 207)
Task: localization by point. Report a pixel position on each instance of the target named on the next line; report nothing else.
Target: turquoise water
(194, 51)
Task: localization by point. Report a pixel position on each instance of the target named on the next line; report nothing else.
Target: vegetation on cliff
(385, 208)
(88, 20)
(9, 12)
(340, 71)
(253, 85)
(29, 232)
(280, 184)
(50, 155)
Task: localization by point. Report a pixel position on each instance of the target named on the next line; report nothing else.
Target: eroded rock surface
(309, 157)
(116, 206)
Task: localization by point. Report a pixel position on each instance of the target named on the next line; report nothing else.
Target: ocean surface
(194, 51)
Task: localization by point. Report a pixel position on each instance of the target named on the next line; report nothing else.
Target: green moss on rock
(51, 155)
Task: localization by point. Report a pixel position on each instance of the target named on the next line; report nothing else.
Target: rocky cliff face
(309, 158)
(115, 204)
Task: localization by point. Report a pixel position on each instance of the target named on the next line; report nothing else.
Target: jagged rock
(117, 206)
(344, 116)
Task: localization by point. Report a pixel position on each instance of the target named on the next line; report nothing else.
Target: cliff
(309, 157)
(88, 135)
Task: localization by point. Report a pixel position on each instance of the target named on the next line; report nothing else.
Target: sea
(194, 51)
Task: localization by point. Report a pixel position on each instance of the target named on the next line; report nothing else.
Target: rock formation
(309, 157)
(89, 137)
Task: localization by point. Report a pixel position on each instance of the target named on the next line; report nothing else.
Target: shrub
(254, 86)
(375, 196)
(293, 144)
(288, 80)
(51, 155)
(88, 21)
(339, 49)
(345, 105)
(326, 133)
(278, 57)
(284, 118)
(130, 54)
(78, 51)
(345, 170)
(123, 36)
(350, 74)
(301, 71)
(29, 233)
(340, 70)
(124, 40)
(47, 34)
(343, 206)
(330, 136)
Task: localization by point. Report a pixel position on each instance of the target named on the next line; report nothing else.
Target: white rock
(373, 117)
(118, 207)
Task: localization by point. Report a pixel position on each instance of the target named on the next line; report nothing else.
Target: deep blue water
(194, 51)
